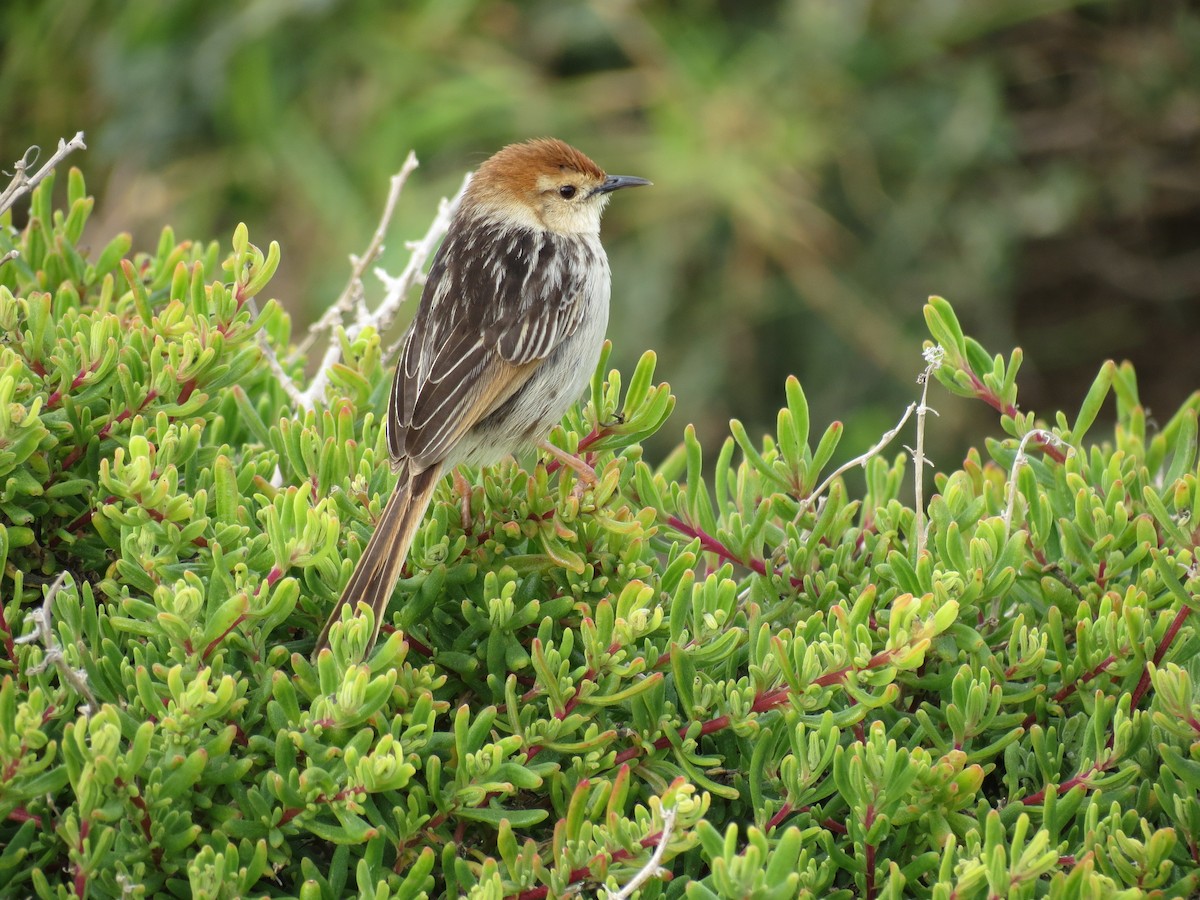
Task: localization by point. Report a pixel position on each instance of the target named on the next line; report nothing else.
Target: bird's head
(546, 185)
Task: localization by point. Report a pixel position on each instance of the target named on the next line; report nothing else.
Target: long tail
(380, 565)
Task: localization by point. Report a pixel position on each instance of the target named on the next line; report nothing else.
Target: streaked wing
(496, 303)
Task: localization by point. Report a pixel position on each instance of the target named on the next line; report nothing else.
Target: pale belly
(541, 402)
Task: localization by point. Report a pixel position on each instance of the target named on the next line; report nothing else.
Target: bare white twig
(860, 460)
(1019, 460)
(22, 182)
(43, 631)
(933, 358)
(289, 386)
(395, 291)
(652, 867)
(351, 295)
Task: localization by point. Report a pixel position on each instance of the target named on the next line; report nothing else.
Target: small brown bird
(507, 334)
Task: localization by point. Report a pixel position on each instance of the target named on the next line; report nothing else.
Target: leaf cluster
(727, 671)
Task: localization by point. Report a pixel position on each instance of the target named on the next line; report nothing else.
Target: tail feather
(377, 570)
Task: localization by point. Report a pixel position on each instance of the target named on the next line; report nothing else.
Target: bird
(507, 333)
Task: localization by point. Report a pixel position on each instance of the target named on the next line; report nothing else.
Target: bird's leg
(586, 473)
(463, 489)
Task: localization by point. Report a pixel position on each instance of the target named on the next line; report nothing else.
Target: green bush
(700, 679)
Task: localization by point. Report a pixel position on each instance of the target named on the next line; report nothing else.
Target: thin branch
(860, 460)
(396, 291)
(22, 182)
(1048, 439)
(289, 386)
(652, 868)
(43, 631)
(933, 357)
(351, 295)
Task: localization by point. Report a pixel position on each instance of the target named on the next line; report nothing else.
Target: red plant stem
(764, 702)
(73, 457)
(1080, 779)
(1067, 690)
(216, 642)
(720, 723)
(139, 804)
(56, 397)
(592, 437)
(710, 544)
(860, 733)
(584, 442)
(784, 811)
(569, 706)
(1051, 451)
(84, 518)
(834, 826)
(1143, 684)
(882, 658)
(413, 644)
(787, 809)
(80, 883)
(984, 393)
(21, 814)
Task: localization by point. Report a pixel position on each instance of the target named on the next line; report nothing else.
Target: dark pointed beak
(616, 182)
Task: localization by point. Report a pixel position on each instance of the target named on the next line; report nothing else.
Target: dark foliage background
(820, 167)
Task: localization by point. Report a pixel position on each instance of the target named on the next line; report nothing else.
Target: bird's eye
(567, 191)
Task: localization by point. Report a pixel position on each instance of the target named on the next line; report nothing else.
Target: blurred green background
(820, 167)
